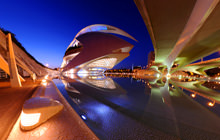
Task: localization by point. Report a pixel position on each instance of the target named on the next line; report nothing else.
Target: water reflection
(120, 109)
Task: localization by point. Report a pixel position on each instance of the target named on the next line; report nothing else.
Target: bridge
(181, 31)
(201, 67)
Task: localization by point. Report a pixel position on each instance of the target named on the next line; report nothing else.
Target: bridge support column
(14, 76)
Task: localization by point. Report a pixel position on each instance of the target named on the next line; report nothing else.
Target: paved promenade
(66, 125)
(11, 102)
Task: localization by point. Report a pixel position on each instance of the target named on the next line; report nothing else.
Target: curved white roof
(100, 28)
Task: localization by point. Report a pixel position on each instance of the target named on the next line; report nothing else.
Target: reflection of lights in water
(39, 132)
(29, 119)
(193, 95)
(105, 83)
(211, 104)
(82, 73)
(83, 117)
(101, 109)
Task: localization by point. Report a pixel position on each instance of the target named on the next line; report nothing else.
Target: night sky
(46, 27)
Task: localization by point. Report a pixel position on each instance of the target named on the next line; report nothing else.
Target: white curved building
(94, 50)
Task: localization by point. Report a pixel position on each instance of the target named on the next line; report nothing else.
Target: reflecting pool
(132, 108)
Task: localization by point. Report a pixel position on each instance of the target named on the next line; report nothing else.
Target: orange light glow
(29, 119)
(193, 95)
(211, 104)
(44, 82)
(168, 76)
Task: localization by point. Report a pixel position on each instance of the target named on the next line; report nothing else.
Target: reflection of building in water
(99, 82)
(170, 107)
(199, 88)
(93, 50)
(102, 83)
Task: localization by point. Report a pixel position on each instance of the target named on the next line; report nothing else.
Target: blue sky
(46, 27)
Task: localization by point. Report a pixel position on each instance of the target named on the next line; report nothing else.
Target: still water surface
(127, 108)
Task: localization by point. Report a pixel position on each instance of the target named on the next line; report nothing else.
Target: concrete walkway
(11, 102)
(66, 125)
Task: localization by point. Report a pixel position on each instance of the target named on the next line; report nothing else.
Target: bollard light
(211, 104)
(44, 82)
(37, 110)
(29, 119)
(193, 95)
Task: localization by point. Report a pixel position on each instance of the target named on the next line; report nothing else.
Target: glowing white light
(83, 117)
(47, 65)
(46, 77)
(180, 76)
(82, 73)
(44, 82)
(71, 71)
(29, 119)
(168, 76)
(157, 75)
(211, 104)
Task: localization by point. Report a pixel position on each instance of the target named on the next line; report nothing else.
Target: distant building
(151, 58)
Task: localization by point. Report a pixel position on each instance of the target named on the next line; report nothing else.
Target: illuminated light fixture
(37, 110)
(180, 76)
(29, 119)
(168, 76)
(211, 104)
(44, 82)
(83, 117)
(157, 75)
(82, 73)
(193, 95)
(46, 77)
